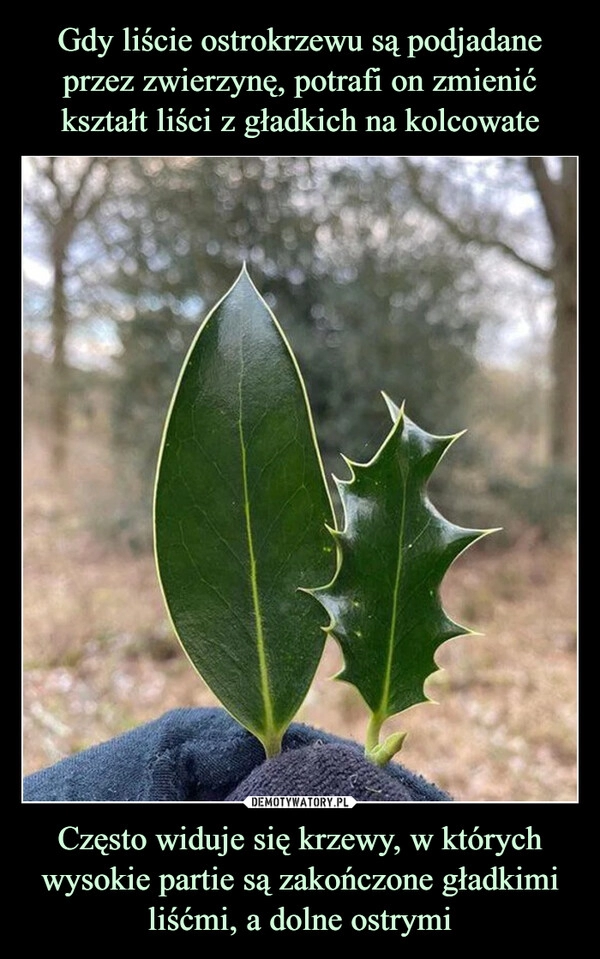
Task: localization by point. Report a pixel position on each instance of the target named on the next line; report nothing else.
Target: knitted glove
(204, 755)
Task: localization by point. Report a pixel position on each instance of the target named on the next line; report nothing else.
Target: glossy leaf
(241, 507)
(384, 601)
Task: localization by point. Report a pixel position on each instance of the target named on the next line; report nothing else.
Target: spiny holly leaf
(241, 507)
(394, 550)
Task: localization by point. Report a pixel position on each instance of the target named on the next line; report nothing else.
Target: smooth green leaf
(241, 507)
(394, 550)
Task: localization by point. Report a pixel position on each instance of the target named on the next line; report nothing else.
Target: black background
(484, 918)
(504, 917)
(556, 83)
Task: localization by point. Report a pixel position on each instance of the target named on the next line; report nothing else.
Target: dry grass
(98, 656)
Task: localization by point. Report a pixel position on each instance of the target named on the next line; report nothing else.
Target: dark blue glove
(203, 754)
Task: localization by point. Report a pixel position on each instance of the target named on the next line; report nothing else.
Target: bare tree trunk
(564, 364)
(69, 203)
(60, 389)
(559, 198)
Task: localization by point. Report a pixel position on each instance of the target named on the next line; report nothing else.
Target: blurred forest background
(448, 282)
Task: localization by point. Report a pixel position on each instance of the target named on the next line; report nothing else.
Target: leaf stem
(381, 753)
(272, 743)
(372, 737)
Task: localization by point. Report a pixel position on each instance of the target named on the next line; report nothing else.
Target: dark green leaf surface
(241, 505)
(395, 549)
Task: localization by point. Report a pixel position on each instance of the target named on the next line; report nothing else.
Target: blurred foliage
(544, 500)
(370, 297)
(372, 293)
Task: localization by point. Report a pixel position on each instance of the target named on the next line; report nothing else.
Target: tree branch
(464, 234)
(548, 190)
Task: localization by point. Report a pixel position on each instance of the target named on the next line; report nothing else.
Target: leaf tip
(479, 534)
(340, 483)
(310, 590)
(396, 412)
(244, 278)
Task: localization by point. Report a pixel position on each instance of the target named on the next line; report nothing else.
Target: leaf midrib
(258, 620)
(383, 708)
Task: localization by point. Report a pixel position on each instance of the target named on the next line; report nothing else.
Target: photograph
(299, 498)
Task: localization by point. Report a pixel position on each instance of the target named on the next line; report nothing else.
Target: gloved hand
(203, 754)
